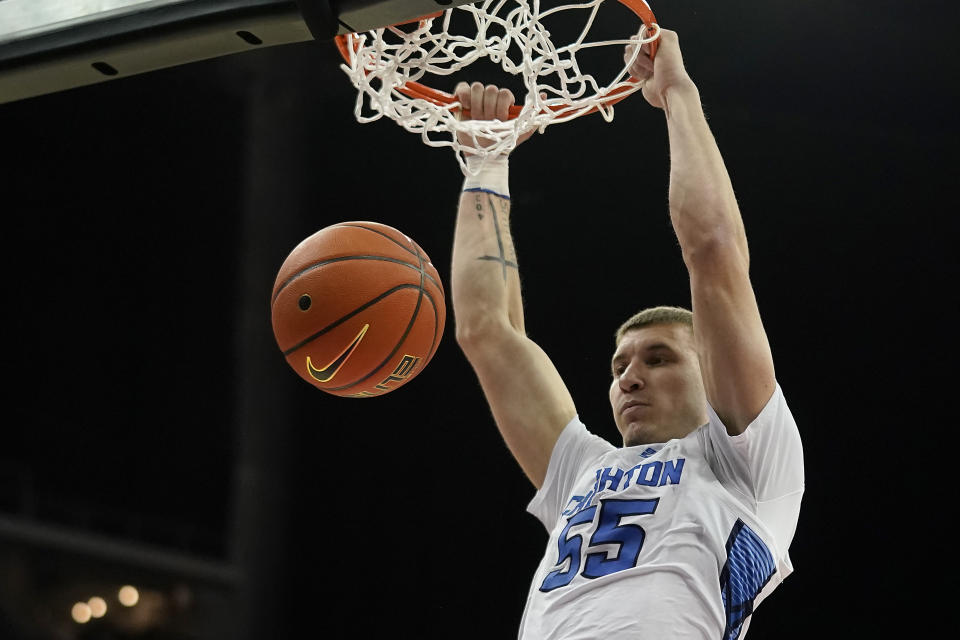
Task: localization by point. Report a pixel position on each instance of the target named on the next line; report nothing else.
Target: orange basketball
(358, 309)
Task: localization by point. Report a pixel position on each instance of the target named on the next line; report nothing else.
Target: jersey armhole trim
(768, 408)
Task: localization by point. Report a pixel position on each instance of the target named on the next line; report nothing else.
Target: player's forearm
(485, 284)
(703, 207)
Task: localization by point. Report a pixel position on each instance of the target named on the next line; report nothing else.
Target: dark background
(153, 433)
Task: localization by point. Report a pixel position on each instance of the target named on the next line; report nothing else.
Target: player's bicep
(528, 399)
(735, 357)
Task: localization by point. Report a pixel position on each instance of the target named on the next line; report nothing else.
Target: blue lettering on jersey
(608, 478)
(578, 503)
(572, 505)
(648, 474)
(655, 474)
(671, 472)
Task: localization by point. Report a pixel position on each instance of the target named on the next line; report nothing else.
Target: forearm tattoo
(501, 227)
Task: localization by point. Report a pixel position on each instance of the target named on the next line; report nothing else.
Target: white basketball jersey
(681, 539)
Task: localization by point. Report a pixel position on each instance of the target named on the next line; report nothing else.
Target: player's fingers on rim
(476, 101)
(462, 93)
(669, 39)
(490, 93)
(641, 61)
(504, 102)
(642, 66)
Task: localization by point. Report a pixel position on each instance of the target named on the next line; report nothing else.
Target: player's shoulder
(577, 438)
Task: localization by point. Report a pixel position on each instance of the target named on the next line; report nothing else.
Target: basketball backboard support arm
(48, 46)
(320, 17)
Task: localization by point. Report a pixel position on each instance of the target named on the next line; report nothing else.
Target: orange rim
(416, 90)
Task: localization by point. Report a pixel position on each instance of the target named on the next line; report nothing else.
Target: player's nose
(632, 378)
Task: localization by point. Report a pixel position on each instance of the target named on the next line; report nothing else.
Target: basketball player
(686, 528)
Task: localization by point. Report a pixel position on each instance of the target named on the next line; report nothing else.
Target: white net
(388, 65)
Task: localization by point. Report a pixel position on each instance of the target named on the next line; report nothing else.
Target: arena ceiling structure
(160, 159)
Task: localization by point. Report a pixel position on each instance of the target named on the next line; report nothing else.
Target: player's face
(657, 390)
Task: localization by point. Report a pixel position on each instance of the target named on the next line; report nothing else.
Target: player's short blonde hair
(654, 316)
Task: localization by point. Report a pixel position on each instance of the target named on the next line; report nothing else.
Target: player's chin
(637, 433)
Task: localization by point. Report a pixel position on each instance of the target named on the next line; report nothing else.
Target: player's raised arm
(529, 401)
(735, 357)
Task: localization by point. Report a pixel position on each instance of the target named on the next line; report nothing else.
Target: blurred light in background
(98, 606)
(81, 612)
(128, 596)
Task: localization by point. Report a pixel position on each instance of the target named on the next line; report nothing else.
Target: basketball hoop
(387, 65)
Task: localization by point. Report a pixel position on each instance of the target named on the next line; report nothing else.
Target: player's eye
(653, 362)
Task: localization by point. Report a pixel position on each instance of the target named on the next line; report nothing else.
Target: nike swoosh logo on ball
(326, 373)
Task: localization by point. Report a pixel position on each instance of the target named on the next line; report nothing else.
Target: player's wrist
(680, 91)
(490, 175)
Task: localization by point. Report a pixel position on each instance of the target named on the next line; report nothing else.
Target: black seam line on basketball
(436, 326)
(496, 227)
(406, 332)
(317, 265)
(340, 321)
(360, 226)
(433, 340)
(344, 258)
(413, 319)
(436, 317)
